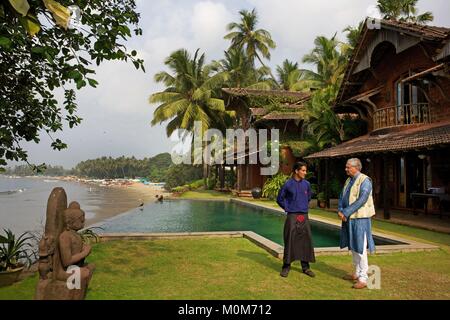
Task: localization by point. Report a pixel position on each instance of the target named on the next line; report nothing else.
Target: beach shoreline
(117, 196)
(136, 194)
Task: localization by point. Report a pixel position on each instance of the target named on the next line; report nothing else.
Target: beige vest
(368, 209)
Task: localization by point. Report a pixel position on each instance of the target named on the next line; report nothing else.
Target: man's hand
(342, 216)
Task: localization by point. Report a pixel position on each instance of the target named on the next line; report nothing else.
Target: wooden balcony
(407, 114)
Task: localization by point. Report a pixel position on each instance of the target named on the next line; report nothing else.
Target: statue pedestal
(57, 290)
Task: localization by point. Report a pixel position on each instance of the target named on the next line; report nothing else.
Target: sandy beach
(23, 208)
(121, 199)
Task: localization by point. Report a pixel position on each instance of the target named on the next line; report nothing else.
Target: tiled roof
(416, 138)
(258, 111)
(424, 32)
(283, 116)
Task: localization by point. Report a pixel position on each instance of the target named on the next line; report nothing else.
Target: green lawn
(238, 269)
(205, 195)
(196, 269)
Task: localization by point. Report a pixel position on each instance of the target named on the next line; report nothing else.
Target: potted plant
(15, 254)
(321, 199)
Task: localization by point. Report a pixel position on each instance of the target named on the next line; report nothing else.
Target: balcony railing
(406, 114)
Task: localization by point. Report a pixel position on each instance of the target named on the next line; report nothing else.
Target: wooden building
(398, 81)
(267, 109)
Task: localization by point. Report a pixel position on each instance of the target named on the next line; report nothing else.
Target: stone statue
(60, 248)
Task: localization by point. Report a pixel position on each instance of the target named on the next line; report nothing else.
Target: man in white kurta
(356, 209)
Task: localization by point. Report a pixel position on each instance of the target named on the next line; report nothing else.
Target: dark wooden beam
(386, 193)
(327, 188)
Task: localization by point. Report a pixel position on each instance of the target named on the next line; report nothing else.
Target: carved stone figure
(60, 248)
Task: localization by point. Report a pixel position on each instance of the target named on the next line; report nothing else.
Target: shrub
(180, 175)
(15, 252)
(273, 185)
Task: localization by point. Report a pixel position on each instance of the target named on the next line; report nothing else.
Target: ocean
(23, 201)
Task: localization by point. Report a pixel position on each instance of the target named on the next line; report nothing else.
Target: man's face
(351, 170)
(301, 173)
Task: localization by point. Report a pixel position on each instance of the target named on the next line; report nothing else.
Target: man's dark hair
(299, 165)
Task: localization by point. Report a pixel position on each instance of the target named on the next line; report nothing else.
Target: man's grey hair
(355, 162)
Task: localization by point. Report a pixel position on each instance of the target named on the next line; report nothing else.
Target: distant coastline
(102, 198)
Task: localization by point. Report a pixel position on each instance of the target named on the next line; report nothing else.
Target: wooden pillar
(238, 177)
(386, 192)
(222, 176)
(327, 189)
(319, 177)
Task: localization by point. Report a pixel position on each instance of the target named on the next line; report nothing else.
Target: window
(411, 104)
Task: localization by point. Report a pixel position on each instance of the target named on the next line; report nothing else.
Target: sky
(116, 115)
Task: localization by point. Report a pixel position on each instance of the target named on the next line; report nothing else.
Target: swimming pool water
(207, 216)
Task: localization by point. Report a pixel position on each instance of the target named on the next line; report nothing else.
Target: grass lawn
(205, 195)
(238, 269)
(195, 269)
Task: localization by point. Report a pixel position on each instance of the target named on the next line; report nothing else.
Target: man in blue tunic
(356, 209)
(294, 198)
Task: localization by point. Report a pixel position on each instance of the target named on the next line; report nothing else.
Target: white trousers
(361, 263)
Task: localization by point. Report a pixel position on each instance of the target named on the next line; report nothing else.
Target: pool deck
(405, 245)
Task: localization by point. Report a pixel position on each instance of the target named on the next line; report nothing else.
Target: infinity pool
(206, 216)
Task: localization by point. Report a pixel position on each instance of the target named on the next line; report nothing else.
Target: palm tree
(241, 71)
(290, 77)
(329, 57)
(191, 94)
(323, 127)
(353, 34)
(403, 10)
(255, 42)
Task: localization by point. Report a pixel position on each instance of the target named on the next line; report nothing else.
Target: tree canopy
(44, 62)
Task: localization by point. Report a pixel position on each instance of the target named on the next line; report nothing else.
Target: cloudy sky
(117, 115)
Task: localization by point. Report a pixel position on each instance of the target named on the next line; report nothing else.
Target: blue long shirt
(295, 196)
(354, 230)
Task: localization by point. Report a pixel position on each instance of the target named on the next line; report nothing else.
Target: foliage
(42, 59)
(273, 185)
(154, 168)
(329, 56)
(353, 34)
(88, 235)
(353, 127)
(314, 190)
(15, 252)
(321, 196)
(27, 170)
(230, 179)
(334, 188)
(192, 94)
(211, 181)
(192, 186)
(323, 126)
(181, 189)
(403, 10)
(244, 35)
(290, 76)
(241, 71)
(195, 185)
(181, 174)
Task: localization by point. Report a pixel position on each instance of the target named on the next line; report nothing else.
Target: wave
(12, 191)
